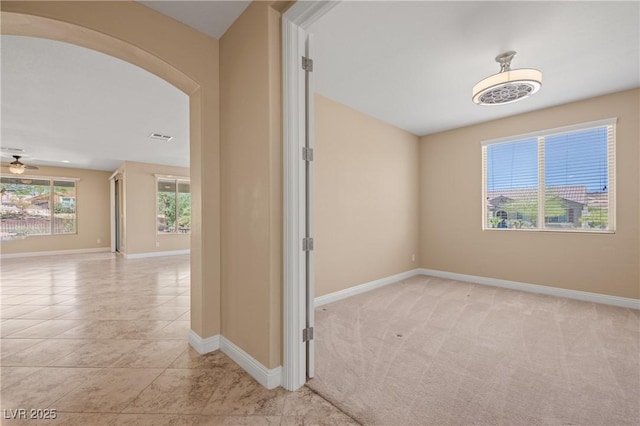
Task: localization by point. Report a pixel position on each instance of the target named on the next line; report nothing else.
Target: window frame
(176, 181)
(540, 136)
(52, 180)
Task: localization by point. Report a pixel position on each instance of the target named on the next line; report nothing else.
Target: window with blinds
(559, 180)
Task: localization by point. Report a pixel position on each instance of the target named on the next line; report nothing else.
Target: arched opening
(135, 34)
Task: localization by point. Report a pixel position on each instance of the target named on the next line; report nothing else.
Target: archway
(149, 40)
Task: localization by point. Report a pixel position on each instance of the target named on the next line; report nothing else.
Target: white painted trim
(623, 302)
(118, 175)
(304, 13)
(269, 378)
(112, 213)
(204, 346)
(159, 176)
(38, 177)
(294, 355)
(555, 131)
(363, 288)
(54, 252)
(310, 222)
(294, 21)
(156, 254)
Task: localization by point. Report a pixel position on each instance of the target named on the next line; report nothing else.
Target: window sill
(564, 231)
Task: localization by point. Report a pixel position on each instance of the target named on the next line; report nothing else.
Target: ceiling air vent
(8, 149)
(160, 137)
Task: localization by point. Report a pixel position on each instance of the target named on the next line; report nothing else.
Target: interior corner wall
(140, 215)
(366, 198)
(251, 167)
(93, 207)
(451, 234)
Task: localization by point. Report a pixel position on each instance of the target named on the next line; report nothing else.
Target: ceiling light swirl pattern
(508, 85)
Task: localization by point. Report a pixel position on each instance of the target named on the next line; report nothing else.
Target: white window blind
(560, 179)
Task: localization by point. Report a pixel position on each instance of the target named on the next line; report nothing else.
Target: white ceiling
(211, 17)
(413, 64)
(62, 102)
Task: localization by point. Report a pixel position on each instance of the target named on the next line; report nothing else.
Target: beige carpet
(430, 351)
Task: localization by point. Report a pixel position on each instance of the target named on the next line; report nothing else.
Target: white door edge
(295, 21)
(310, 288)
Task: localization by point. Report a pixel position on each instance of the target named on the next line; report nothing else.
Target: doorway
(117, 213)
(131, 40)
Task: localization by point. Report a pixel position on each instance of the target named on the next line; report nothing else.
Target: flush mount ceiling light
(508, 85)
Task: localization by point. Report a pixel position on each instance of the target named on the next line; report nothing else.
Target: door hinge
(307, 64)
(307, 244)
(307, 154)
(307, 334)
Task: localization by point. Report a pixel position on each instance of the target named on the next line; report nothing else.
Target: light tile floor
(103, 341)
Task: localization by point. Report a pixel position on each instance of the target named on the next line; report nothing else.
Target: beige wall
(251, 155)
(185, 58)
(366, 198)
(140, 209)
(92, 214)
(451, 234)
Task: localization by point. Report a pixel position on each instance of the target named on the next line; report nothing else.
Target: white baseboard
(623, 302)
(362, 288)
(269, 378)
(204, 346)
(54, 252)
(156, 254)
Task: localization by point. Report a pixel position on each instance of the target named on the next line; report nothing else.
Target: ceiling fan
(17, 167)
